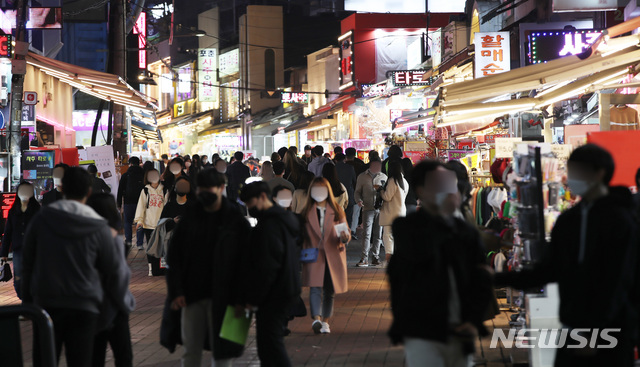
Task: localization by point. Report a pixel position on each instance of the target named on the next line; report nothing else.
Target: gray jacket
(69, 253)
(365, 192)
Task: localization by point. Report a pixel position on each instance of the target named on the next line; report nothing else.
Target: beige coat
(313, 274)
(343, 200)
(299, 200)
(393, 205)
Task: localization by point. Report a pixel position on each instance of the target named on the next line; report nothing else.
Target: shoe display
(317, 326)
(363, 263)
(325, 329)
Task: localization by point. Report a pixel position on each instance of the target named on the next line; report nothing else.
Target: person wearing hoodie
(593, 258)
(113, 324)
(204, 274)
(68, 251)
(272, 280)
(152, 200)
(23, 210)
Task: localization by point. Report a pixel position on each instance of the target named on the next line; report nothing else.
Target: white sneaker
(317, 326)
(325, 329)
(150, 272)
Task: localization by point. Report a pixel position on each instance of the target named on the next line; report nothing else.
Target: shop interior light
(99, 81)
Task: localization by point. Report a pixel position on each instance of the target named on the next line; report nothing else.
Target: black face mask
(207, 198)
(181, 194)
(255, 212)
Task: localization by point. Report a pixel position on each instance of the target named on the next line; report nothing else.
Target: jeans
(196, 323)
(270, 324)
(75, 329)
(387, 239)
(316, 299)
(119, 337)
(422, 352)
(17, 272)
(371, 223)
(129, 216)
(354, 218)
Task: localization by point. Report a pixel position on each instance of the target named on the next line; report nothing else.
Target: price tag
(505, 147)
(562, 151)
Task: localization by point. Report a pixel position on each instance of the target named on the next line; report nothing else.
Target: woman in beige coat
(328, 275)
(393, 206)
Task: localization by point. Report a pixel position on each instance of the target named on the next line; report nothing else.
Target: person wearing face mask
(129, 189)
(593, 258)
(440, 253)
(205, 162)
(204, 275)
(22, 211)
(173, 171)
(152, 200)
(326, 276)
(181, 199)
(187, 166)
(394, 195)
(283, 196)
(272, 281)
(367, 186)
(56, 193)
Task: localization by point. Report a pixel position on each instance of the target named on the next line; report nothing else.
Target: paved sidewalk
(362, 318)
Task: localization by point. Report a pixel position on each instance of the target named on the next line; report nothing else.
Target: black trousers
(119, 337)
(75, 330)
(270, 322)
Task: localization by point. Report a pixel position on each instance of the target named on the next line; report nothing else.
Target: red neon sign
(141, 30)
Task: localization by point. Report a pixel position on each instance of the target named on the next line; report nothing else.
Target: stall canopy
(480, 101)
(144, 131)
(105, 86)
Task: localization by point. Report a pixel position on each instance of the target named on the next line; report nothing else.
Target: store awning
(332, 104)
(105, 86)
(215, 129)
(143, 131)
(186, 119)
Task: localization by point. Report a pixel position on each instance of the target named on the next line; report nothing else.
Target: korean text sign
(493, 53)
(207, 81)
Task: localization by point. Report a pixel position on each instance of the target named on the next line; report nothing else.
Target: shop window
(269, 69)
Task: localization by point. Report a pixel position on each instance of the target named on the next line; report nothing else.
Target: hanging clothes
(624, 118)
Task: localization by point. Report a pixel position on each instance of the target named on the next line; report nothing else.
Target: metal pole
(17, 86)
(118, 67)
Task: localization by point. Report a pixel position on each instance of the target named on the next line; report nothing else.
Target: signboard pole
(17, 86)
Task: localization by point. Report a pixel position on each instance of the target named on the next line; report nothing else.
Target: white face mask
(579, 187)
(175, 169)
(57, 181)
(187, 164)
(204, 161)
(285, 203)
(25, 193)
(319, 193)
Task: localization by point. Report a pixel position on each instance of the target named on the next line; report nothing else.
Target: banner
(104, 161)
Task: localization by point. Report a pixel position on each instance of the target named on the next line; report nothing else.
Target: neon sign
(141, 30)
(288, 97)
(543, 46)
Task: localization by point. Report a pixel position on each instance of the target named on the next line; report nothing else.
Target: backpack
(135, 182)
(146, 192)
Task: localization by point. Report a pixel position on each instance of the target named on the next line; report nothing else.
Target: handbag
(379, 201)
(5, 271)
(309, 255)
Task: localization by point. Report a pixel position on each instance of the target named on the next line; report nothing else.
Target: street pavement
(358, 330)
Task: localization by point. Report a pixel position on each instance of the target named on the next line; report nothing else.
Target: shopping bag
(5, 271)
(235, 329)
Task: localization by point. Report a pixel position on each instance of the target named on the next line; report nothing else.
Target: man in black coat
(347, 177)
(55, 194)
(238, 173)
(129, 189)
(440, 287)
(272, 272)
(204, 269)
(593, 258)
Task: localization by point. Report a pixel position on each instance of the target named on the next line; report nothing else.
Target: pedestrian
(278, 179)
(302, 192)
(146, 166)
(196, 165)
(56, 193)
(441, 253)
(307, 157)
(411, 202)
(366, 193)
(113, 324)
(339, 190)
(99, 186)
(294, 150)
(180, 200)
(152, 200)
(129, 189)
(294, 168)
(326, 276)
(221, 166)
(164, 163)
(22, 211)
(237, 172)
(352, 160)
(205, 162)
(272, 272)
(266, 172)
(282, 151)
(337, 150)
(205, 270)
(282, 196)
(394, 194)
(593, 258)
(319, 160)
(187, 166)
(393, 155)
(68, 250)
(175, 170)
(348, 179)
(275, 157)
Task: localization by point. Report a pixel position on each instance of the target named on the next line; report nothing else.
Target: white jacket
(393, 205)
(149, 216)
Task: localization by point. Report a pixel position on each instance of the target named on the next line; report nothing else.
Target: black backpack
(135, 182)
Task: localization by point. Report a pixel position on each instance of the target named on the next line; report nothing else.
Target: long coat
(313, 273)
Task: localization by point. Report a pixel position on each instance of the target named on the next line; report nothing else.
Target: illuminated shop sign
(407, 78)
(229, 62)
(140, 29)
(6, 46)
(543, 46)
(374, 90)
(493, 53)
(207, 91)
(38, 18)
(346, 69)
(288, 97)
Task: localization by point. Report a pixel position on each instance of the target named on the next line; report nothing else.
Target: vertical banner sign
(141, 30)
(493, 53)
(207, 75)
(103, 158)
(346, 60)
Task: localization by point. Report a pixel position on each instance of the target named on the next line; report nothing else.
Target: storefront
(223, 139)
(180, 136)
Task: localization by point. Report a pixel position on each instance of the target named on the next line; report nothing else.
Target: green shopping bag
(235, 329)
